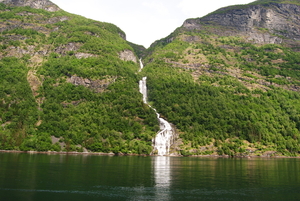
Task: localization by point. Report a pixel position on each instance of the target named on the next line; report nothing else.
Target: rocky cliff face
(268, 23)
(127, 55)
(96, 85)
(38, 4)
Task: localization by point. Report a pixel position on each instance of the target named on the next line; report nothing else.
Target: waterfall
(141, 65)
(164, 137)
(143, 89)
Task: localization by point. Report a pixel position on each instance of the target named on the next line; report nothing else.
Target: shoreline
(144, 155)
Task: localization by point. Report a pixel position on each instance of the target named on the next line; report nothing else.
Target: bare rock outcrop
(63, 49)
(73, 47)
(54, 20)
(96, 85)
(38, 4)
(82, 55)
(122, 35)
(127, 55)
(267, 23)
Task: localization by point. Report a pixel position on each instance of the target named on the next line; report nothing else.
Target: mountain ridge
(37, 4)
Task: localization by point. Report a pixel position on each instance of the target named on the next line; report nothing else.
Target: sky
(144, 21)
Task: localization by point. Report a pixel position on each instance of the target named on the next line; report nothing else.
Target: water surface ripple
(90, 177)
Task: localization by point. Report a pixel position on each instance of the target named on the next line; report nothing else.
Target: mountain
(37, 4)
(259, 22)
(68, 83)
(229, 81)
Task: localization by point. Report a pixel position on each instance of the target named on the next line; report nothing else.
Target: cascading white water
(141, 65)
(143, 89)
(164, 137)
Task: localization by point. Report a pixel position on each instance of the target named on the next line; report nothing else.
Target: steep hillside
(230, 81)
(68, 83)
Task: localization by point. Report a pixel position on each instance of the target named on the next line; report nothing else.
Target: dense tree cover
(115, 120)
(112, 120)
(210, 106)
(205, 112)
(18, 112)
(223, 94)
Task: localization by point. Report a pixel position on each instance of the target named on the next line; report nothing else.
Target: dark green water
(41, 177)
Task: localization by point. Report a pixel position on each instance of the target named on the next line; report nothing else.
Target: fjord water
(93, 177)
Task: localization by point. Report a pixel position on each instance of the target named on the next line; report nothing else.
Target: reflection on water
(162, 171)
(162, 177)
(76, 177)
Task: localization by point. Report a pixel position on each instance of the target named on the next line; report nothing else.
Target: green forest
(243, 96)
(113, 120)
(65, 88)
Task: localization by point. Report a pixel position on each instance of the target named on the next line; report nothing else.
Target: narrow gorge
(166, 135)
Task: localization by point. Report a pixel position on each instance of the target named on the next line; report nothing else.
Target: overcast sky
(144, 21)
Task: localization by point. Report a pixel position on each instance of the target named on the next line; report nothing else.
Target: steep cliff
(262, 23)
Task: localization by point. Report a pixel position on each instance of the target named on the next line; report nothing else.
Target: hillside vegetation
(65, 87)
(229, 82)
(225, 93)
